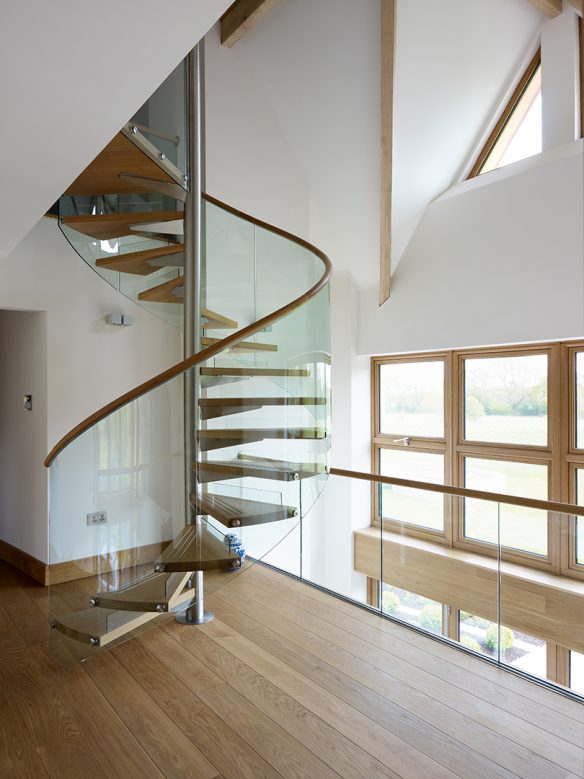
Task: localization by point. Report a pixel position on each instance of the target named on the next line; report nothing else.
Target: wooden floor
(286, 681)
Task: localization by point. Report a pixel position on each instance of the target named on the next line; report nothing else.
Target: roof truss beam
(241, 17)
(551, 8)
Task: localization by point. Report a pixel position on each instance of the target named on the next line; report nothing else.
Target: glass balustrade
(125, 541)
(520, 613)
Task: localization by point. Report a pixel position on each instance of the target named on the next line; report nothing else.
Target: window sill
(536, 602)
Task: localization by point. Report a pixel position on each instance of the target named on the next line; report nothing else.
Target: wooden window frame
(506, 114)
(461, 541)
(491, 353)
(560, 455)
(489, 450)
(438, 536)
(574, 462)
(426, 445)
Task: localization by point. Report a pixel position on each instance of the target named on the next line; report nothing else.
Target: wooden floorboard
(220, 744)
(504, 686)
(378, 654)
(286, 681)
(397, 719)
(273, 743)
(480, 737)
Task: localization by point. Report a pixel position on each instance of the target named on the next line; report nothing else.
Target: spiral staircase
(262, 397)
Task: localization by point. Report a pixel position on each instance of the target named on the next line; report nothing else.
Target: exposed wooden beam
(387, 71)
(550, 8)
(578, 5)
(241, 17)
(581, 66)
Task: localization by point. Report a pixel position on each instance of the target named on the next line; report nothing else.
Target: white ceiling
(317, 64)
(72, 74)
(454, 62)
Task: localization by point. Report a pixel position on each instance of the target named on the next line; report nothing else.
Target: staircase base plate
(191, 619)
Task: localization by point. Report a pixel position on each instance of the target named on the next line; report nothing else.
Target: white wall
(496, 260)
(560, 80)
(454, 62)
(345, 504)
(293, 138)
(66, 62)
(293, 125)
(23, 434)
(88, 363)
(250, 164)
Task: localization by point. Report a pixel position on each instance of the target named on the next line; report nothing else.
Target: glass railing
(478, 587)
(124, 214)
(124, 543)
(162, 119)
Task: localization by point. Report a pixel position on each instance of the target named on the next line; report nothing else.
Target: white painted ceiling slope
(72, 74)
(317, 64)
(454, 62)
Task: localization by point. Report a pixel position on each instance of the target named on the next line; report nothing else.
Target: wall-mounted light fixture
(120, 319)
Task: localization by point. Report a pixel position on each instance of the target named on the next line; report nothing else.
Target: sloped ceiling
(317, 63)
(72, 75)
(454, 61)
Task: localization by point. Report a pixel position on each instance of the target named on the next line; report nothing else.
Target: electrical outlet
(97, 518)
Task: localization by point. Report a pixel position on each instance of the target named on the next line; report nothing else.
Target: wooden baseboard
(24, 562)
(104, 563)
(83, 567)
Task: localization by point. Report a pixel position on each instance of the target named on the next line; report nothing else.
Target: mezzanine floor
(286, 681)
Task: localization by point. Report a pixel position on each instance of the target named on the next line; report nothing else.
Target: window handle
(405, 441)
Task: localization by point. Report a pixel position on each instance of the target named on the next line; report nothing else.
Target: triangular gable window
(517, 134)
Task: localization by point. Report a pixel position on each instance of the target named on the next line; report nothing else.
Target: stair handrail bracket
(216, 348)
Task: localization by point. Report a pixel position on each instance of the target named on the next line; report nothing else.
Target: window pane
(580, 400)
(577, 672)
(580, 520)
(506, 399)
(411, 398)
(518, 650)
(412, 608)
(521, 528)
(417, 507)
(521, 136)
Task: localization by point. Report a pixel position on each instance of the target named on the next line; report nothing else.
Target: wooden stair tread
(309, 433)
(242, 346)
(215, 321)
(138, 262)
(105, 227)
(217, 439)
(217, 470)
(255, 372)
(196, 551)
(102, 176)
(240, 512)
(221, 407)
(163, 293)
(99, 627)
(214, 377)
(263, 401)
(158, 592)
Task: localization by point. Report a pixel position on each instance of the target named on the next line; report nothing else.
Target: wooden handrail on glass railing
(462, 492)
(216, 348)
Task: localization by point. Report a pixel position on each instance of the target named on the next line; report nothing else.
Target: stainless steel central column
(193, 221)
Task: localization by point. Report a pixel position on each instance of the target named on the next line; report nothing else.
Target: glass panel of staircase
(120, 532)
(124, 213)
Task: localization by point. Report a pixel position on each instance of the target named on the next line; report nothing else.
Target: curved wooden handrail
(462, 492)
(216, 348)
